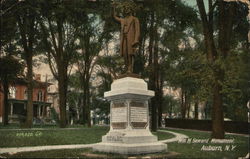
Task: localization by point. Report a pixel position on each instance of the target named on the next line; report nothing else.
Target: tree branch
(53, 36)
(208, 32)
(52, 67)
(23, 33)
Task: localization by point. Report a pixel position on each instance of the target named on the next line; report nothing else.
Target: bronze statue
(130, 33)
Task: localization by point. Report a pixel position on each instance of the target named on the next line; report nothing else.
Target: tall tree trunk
(157, 80)
(27, 29)
(85, 92)
(196, 110)
(6, 103)
(88, 119)
(86, 100)
(183, 104)
(226, 15)
(217, 113)
(62, 85)
(188, 109)
(62, 66)
(171, 109)
(186, 104)
(160, 107)
(84, 120)
(29, 118)
(151, 74)
(78, 105)
(153, 114)
(157, 89)
(225, 19)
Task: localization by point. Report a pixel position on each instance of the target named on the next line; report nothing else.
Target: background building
(18, 100)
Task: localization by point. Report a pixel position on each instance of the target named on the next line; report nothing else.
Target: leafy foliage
(11, 68)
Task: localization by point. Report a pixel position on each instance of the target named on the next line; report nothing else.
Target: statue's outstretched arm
(116, 18)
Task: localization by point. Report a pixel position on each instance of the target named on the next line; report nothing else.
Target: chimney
(38, 77)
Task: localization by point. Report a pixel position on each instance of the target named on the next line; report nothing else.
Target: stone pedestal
(129, 120)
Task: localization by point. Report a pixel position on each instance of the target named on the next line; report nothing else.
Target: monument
(129, 37)
(129, 120)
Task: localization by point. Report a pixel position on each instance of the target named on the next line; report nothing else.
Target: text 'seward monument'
(129, 123)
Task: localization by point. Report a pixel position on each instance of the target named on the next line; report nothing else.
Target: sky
(193, 3)
(190, 2)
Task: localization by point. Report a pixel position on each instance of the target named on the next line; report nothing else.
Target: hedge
(230, 126)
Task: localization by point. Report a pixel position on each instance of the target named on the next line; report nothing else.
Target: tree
(165, 18)
(59, 42)
(28, 28)
(94, 36)
(90, 44)
(8, 26)
(236, 86)
(108, 68)
(218, 50)
(10, 69)
(74, 100)
(171, 105)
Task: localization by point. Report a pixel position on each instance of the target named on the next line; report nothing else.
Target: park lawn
(184, 150)
(193, 150)
(52, 136)
(56, 136)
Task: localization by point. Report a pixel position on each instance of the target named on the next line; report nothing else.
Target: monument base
(129, 128)
(140, 148)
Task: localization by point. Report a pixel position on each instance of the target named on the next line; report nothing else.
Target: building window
(25, 94)
(12, 92)
(40, 96)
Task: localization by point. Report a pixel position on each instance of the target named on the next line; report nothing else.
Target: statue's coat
(130, 33)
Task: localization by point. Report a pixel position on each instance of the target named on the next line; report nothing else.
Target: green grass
(19, 138)
(93, 135)
(40, 137)
(193, 150)
(9, 126)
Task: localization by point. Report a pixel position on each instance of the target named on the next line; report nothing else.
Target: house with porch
(18, 99)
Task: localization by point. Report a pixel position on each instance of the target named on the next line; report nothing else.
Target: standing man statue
(130, 33)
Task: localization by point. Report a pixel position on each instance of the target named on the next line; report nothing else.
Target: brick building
(18, 99)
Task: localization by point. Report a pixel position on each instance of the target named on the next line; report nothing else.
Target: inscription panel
(138, 114)
(119, 115)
